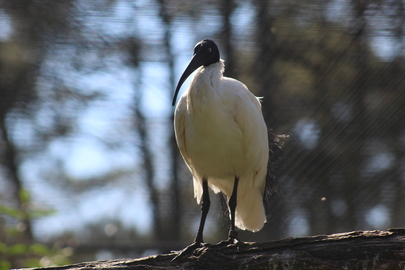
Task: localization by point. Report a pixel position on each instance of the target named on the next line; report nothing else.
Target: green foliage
(31, 255)
(15, 250)
(4, 264)
(10, 211)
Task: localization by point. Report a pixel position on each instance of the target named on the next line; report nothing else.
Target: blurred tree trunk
(227, 8)
(320, 216)
(397, 126)
(148, 164)
(356, 135)
(10, 163)
(398, 209)
(16, 91)
(267, 81)
(35, 25)
(174, 211)
(266, 56)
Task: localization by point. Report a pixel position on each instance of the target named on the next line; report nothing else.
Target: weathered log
(352, 250)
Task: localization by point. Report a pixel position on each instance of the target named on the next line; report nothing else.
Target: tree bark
(352, 250)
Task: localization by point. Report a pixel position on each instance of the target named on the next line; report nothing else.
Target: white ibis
(223, 139)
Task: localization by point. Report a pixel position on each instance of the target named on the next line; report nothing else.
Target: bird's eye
(209, 49)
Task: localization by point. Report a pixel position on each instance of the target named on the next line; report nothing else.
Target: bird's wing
(251, 120)
(179, 129)
(247, 114)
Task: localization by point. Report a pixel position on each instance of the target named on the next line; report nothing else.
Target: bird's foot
(232, 239)
(189, 250)
(233, 236)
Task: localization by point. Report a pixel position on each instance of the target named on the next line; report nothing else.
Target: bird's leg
(233, 234)
(205, 206)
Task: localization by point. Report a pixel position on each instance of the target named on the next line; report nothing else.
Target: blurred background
(89, 168)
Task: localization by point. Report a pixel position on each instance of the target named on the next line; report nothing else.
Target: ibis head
(205, 53)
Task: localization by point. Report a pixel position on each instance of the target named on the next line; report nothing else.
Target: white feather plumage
(221, 134)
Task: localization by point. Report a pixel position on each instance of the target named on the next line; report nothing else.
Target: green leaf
(38, 213)
(24, 196)
(10, 211)
(3, 248)
(32, 263)
(18, 249)
(12, 231)
(39, 249)
(5, 265)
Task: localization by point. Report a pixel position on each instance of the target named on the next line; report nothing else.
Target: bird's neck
(209, 77)
(218, 67)
(206, 84)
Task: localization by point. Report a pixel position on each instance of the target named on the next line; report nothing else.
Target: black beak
(195, 62)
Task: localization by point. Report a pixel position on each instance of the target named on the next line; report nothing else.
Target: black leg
(205, 207)
(233, 234)
(232, 207)
(198, 241)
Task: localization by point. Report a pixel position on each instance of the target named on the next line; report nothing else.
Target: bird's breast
(214, 140)
(223, 127)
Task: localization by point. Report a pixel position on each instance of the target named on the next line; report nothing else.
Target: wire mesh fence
(86, 116)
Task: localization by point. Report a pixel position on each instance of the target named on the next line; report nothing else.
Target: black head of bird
(205, 53)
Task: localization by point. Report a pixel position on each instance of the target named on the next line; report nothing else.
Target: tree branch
(353, 250)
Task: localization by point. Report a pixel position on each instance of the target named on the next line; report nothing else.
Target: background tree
(86, 119)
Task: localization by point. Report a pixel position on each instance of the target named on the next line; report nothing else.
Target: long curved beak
(195, 62)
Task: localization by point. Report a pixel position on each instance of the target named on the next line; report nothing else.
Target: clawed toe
(232, 239)
(189, 250)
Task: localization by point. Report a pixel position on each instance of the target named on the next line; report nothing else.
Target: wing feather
(180, 133)
(247, 114)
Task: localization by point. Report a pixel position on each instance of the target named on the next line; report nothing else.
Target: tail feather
(250, 214)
